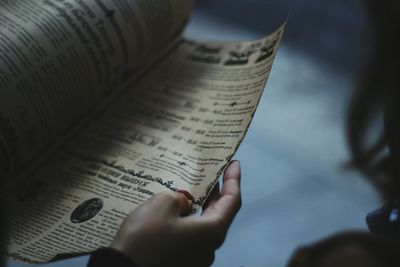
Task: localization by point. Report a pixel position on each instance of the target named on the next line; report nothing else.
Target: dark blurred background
(295, 189)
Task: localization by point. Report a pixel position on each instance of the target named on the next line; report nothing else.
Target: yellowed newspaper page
(60, 58)
(176, 129)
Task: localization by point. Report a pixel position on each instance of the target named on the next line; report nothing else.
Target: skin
(162, 233)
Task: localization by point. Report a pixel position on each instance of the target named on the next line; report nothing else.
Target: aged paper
(60, 59)
(176, 129)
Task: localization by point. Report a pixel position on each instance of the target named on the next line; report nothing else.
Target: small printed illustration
(87, 210)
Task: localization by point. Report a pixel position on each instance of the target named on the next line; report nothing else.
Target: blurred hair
(379, 250)
(378, 91)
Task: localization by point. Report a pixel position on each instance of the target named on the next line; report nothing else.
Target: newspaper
(62, 58)
(175, 128)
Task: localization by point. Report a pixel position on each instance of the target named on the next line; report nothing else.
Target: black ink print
(206, 54)
(203, 49)
(87, 210)
(239, 58)
(266, 52)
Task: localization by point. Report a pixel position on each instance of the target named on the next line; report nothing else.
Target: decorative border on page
(139, 174)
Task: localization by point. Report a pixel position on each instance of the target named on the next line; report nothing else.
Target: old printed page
(60, 59)
(176, 129)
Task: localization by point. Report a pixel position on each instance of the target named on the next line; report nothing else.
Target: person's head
(351, 249)
(376, 98)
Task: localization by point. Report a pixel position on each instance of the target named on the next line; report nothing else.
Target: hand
(160, 232)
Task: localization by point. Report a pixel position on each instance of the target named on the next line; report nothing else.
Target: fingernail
(235, 163)
(186, 194)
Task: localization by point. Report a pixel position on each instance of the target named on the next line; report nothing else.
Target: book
(103, 104)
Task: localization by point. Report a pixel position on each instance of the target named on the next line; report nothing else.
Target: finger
(212, 226)
(230, 200)
(185, 193)
(171, 203)
(231, 179)
(186, 203)
(213, 197)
